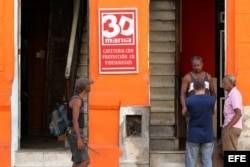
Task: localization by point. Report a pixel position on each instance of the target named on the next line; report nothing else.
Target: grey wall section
(134, 145)
(163, 136)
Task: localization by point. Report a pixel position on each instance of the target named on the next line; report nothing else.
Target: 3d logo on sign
(118, 41)
(117, 32)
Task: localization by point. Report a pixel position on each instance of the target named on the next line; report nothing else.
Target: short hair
(196, 57)
(199, 84)
(231, 78)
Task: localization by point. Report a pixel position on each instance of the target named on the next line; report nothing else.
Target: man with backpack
(75, 136)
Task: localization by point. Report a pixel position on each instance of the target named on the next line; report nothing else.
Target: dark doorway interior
(34, 35)
(45, 36)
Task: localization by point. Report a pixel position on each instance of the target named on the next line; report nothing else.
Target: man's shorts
(77, 155)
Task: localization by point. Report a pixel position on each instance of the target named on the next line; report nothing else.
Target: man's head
(82, 84)
(229, 82)
(197, 64)
(199, 84)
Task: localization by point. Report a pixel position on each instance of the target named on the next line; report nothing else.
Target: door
(34, 34)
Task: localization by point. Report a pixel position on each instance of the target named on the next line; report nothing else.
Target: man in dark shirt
(75, 134)
(187, 81)
(200, 109)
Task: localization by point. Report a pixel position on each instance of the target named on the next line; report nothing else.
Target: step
(162, 81)
(162, 130)
(162, 15)
(162, 105)
(162, 93)
(162, 36)
(162, 69)
(43, 158)
(162, 5)
(162, 58)
(167, 47)
(170, 159)
(162, 118)
(164, 143)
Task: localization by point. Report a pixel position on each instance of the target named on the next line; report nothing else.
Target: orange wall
(110, 91)
(238, 45)
(6, 77)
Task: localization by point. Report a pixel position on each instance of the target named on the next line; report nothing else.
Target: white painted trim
(72, 38)
(15, 100)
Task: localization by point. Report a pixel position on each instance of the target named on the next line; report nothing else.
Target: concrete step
(162, 5)
(162, 130)
(164, 143)
(162, 106)
(162, 81)
(162, 26)
(170, 159)
(43, 158)
(162, 69)
(162, 93)
(162, 118)
(162, 36)
(161, 58)
(167, 47)
(162, 15)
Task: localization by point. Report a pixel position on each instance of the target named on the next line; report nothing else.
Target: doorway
(34, 33)
(202, 34)
(34, 37)
(34, 64)
(45, 37)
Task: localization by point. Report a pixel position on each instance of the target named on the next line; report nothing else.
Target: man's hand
(184, 111)
(227, 127)
(86, 141)
(80, 144)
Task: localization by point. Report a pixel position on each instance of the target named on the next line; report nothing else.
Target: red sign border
(136, 40)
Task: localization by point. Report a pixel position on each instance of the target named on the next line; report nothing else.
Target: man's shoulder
(75, 99)
(187, 76)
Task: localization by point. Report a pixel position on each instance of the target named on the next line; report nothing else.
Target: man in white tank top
(187, 81)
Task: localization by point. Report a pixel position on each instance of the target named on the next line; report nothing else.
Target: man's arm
(215, 107)
(211, 86)
(235, 118)
(184, 111)
(184, 87)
